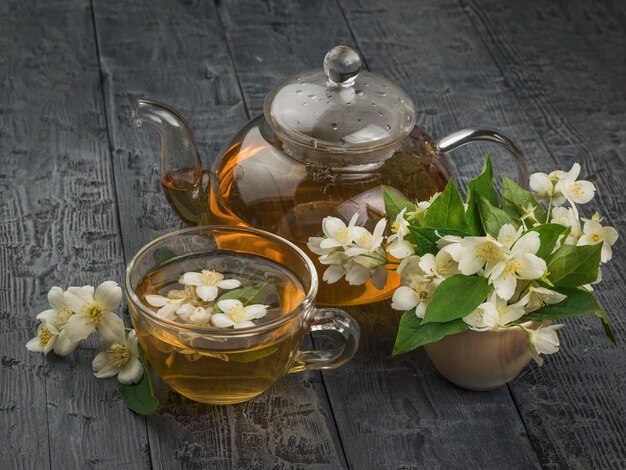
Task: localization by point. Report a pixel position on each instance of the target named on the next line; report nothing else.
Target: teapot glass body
(256, 183)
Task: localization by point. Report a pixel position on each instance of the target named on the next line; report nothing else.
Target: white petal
(507, 234)
(228, 304)
(410, 265)
(229, 284)
(77, 297)
(185, 309)
(55, 298)
(207, 293)
(221, 321)
(533, 267)
(420, 309)
(101, 367)
(64, 344)
(48, 347)
(243, 324)
(77, 328)
(428, 263)
(404, 298)
(528, 243)
(47, 316)
(400, 249)
(111, 328)
(333, 273)
(330, 243)
(109, 294)
(470, 263)
(610, 235)
(131, 373)
(357, 275)
(191, 279)
(256, 311)
(330, 225)
(156, 300)
(607, 253)
(380, 227)
(34, 345)
(455, 249)
(200, 315)
(168, 310)
(356, 251)
(379, 278)
(505, 285)
(540, 183)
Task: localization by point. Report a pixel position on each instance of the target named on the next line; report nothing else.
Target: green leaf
(140, 397)
(549, 234)
(244, 294)
(493, 217)
(574, 266)
(482, 185)
(456, 297)
(578, 303)
(251, 356)
(447, 211)
(394, 203)
(426, 238)
(164, 254)
(515, 199)
(413, 333)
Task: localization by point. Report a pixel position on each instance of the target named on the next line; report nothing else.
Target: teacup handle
(330, 319)
(472, 134)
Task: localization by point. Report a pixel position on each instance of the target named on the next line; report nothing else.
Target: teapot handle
(472, 134)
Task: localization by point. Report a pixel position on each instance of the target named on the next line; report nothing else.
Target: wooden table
(80, 195)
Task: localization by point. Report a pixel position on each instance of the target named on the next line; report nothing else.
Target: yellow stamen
(64, 314)
(488, 251)
(210, 277)
(595, 238)
(44, 336)
(577, 189)
(237, 313)
(93, 312)
(342, 234)
(513, 267)
(118, 355)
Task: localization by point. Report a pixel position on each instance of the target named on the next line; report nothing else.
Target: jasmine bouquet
(485, 264)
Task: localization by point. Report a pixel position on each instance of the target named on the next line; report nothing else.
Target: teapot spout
(179, 152)
(182, 177)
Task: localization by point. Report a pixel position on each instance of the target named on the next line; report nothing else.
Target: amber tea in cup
(226, 365)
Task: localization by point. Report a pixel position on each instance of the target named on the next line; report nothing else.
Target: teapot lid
(340, 109)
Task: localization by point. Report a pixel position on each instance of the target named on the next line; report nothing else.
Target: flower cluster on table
(79, 312)
(483, 264)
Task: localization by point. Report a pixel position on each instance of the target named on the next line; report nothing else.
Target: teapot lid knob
(342, 64)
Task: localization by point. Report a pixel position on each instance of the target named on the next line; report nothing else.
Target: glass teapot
(327, 141)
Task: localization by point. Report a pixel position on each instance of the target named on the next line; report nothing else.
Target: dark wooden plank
(57, 227)
(175, 52)
(573, 92)
(391, 413)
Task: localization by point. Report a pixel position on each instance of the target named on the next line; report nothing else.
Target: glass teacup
(226, 365)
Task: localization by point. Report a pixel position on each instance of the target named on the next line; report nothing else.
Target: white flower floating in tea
(484, 264)
(237, 315)
(197, 303)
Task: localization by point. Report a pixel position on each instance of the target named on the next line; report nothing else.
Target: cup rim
(301, 307)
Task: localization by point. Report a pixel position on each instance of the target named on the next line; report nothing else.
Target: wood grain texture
(175, 52)
(57, 227)
(573, 93)
(391, 413)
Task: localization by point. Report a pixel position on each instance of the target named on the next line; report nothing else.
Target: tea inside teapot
(327, 143)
